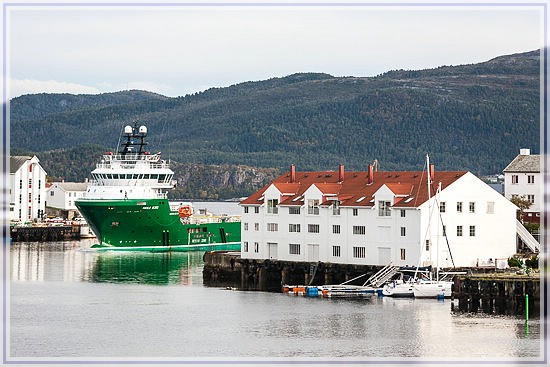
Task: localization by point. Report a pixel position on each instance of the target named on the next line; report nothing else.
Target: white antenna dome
(127, 129)
(143, 130)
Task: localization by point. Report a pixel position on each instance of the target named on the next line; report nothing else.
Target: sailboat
(432, 288)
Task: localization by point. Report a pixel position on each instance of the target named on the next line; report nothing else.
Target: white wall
(20, 190)
(494, 233)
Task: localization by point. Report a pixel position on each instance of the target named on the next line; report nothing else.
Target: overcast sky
(185, 49)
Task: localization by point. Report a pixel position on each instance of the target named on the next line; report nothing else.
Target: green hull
(150, 225)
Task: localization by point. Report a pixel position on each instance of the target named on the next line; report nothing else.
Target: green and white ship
(127, 207)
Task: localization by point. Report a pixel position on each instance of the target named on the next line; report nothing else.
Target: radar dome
(127, 129)
(143, 130)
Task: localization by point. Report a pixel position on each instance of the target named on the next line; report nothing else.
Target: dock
(228, 269)
(44, 233)
(497, 294)
(480, 290)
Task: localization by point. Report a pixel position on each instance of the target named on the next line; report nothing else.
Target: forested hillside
(473, 117)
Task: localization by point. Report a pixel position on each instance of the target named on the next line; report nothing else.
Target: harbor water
(68, 301)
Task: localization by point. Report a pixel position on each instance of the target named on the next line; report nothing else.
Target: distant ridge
(469, 117)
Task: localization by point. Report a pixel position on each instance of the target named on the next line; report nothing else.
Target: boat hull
(433, 289)
(134, 224)
(398, 290)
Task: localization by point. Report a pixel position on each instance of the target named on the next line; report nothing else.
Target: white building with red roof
(374, 218)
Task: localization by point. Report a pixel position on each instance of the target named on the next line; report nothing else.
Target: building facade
(62, 196)
(522, 178)
(375, 218)
(27, 189)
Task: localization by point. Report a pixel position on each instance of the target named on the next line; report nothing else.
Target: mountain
(473, 117)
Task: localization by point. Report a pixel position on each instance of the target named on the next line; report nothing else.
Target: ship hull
(151, 225)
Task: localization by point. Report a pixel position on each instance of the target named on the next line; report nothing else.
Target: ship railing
(201, 219)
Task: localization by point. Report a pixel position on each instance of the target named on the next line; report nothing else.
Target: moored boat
(127, 207)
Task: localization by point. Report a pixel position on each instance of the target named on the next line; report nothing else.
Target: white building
(522, 178)
(62, 195)
(27, 188)
(373, 218)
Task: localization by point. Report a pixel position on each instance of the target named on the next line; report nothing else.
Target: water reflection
(75, 261)
(145, 268)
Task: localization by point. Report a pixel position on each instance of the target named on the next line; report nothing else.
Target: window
(336, 228)
(294, 227)
(359, 252)
(472, 207)
(20, 184)
(472, 231)
(313, 228)
(313, 206)
(245, 210)
(358, 229)
(403, 212)
(256, 226)
(459, 207)
(294, 210)
(245, 246)
(444, 230)
(336, 251)
(403, 232)
(245, 226)
(530, 179)
(427, 245)
(384, 208)
(39, 200)
(30, 183)
(256, 247)
(459, 231)
(30, 197)
(39, 184)
(490, 207)
(336, 208)
(355, 212)
(272, 227)
(52, 193)
(256, 209)
(515, 179)
(403, 257)
(272, 206)
(442, 207)
(531, 199)
(294, 249)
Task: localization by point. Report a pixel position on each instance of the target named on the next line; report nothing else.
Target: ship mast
(135, 137)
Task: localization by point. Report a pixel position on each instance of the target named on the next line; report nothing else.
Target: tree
(522, 203)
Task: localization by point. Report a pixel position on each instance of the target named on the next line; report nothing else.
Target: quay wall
(499, 294)
(484, 290)
(45, 233)
(228, 269)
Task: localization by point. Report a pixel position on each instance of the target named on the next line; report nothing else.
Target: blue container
(312, 292)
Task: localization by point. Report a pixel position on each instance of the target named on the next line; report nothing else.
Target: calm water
(68, 301)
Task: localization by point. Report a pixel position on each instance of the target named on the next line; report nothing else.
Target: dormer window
(336, 208)
(313, 206)
(272, 206)
(384, 208)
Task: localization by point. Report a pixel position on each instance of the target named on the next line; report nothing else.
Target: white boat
(438, 288)
(433, 289)
(398, 288)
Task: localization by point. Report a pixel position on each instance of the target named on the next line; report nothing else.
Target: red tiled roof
(409, 185)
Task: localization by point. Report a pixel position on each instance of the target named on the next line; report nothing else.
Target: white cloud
(18, 87)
